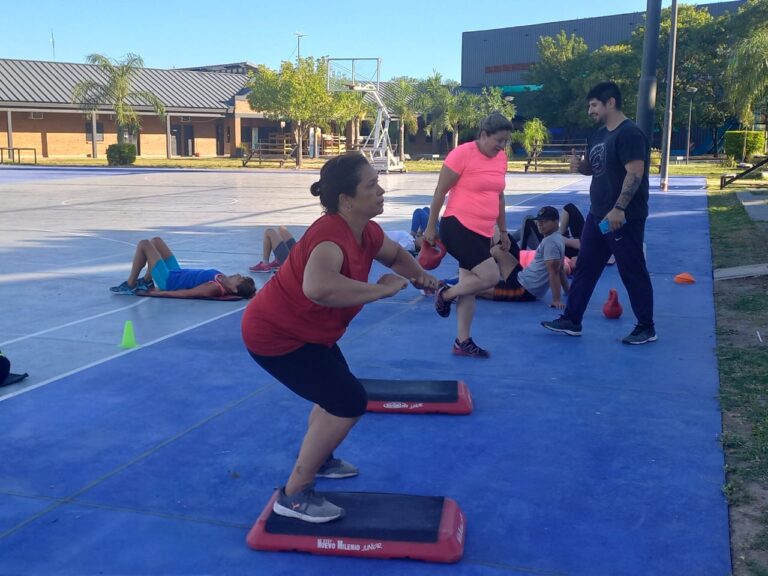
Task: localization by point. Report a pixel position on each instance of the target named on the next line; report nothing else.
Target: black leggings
(319, 374)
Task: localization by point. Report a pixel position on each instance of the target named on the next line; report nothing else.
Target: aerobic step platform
(429, 528)
(418, 396)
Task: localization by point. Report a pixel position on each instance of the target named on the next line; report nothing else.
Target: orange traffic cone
(612, 308)
(685, 278)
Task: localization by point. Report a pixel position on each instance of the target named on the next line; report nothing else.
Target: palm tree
(531, 138)
(401, 104)
(437, 102)
(748, 75)
(116, 91)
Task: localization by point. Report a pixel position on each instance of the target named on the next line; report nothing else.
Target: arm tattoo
(628, 189)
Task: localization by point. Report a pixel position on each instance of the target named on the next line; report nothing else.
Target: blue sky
(412, 38)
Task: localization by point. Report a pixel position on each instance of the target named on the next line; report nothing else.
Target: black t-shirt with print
(609, 152)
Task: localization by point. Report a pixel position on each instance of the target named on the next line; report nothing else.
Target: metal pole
(666, 139)
(94, 145)
(646, 95)
(688, 134)
(691, 91)
(299, 36)
(10, 128)
(168, 151)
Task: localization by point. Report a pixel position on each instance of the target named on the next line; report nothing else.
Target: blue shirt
(189, 278)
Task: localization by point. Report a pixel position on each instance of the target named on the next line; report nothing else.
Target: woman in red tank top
(292, 325)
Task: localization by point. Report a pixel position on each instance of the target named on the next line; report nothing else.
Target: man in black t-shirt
(617, 158)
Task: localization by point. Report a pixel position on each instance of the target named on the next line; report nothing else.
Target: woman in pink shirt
(474, 174)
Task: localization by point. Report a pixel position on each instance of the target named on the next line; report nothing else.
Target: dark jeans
(626, 244)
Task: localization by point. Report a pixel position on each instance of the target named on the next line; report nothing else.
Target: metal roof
(30, 83)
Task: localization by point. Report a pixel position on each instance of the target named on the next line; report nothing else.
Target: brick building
(207, 113)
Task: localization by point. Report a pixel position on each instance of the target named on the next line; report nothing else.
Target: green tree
(118, 92)
(492, 100)
(435, 101)
(560, 101)
(701, 46)
(401, 103)
(532, 136)
(470, 109)
(748, 74)
(295, 93)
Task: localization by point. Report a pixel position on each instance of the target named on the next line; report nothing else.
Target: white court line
(80, 234)
(73, 323)
(118, 355)
(543, 193)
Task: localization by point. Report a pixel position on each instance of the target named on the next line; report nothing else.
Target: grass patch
(741, 311)
(736, 240)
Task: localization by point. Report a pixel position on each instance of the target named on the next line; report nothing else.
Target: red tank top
(280, 318)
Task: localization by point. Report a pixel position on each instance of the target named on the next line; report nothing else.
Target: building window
(99, 132)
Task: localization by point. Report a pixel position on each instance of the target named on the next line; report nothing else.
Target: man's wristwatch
(621, 208)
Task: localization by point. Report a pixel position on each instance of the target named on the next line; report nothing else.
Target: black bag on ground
(5, 368)
(6, 376)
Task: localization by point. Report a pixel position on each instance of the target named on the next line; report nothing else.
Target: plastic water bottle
(605, 226)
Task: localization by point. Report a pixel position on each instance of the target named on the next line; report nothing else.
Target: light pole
(299, 36)
(691, 91)
(666, 133)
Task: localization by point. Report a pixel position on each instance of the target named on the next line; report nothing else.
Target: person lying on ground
(164, 273)
(280, 242)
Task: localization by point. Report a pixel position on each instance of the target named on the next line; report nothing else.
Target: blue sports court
(582, 456)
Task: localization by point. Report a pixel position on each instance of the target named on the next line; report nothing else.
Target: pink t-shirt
(474, 199)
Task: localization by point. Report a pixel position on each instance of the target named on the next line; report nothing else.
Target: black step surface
(396, 517)
(412, 390)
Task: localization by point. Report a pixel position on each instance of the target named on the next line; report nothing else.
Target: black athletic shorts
(468, 247)
(510, 290)
(321, 375)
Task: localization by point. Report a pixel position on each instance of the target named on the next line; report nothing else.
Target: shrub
(734, 143)
(121, 154)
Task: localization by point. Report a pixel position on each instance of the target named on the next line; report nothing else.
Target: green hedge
(121, 154)
(734, 143)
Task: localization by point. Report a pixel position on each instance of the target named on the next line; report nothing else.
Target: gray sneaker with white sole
(336, 468)
(307, 506)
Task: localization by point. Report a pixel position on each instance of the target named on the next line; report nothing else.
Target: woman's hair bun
(315, 188)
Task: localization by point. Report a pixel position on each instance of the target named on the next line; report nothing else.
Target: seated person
(164, 272)
(280, 242)
(545, 272)
(571, 227)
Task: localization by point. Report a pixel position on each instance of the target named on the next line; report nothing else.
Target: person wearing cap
(544, 273)
(617, 158)
(473, 178)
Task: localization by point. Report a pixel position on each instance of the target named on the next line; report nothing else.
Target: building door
(219, 139)
(175, 140)
(182, 140)
(189, 140)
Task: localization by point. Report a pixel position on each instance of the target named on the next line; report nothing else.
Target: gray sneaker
(564, 326)
(336, 468)
(123, 289)
(144, 286)
(642, 334)
(307, 506)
